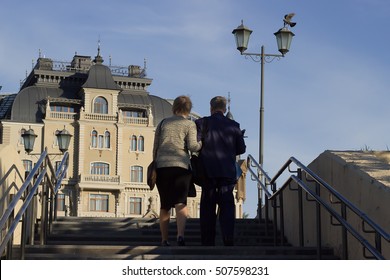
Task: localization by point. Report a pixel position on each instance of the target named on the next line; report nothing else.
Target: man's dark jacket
(222, 141)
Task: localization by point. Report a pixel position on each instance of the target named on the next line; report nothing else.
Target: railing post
(318, 223)
(281, 213)
(300, 210)
(266, 214)
(275, 221)
(43, 212)
(344, 238)
(10, 221)
(378, 242)
(259, 206)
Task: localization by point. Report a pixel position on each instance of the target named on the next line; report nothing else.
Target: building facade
(112, 118)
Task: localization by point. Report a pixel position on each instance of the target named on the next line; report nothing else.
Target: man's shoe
(165, 243)
(180, 241)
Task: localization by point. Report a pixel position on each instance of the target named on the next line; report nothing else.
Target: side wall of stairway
(361, 177)
(8, 154)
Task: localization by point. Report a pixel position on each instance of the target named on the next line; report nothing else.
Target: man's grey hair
(218, 103)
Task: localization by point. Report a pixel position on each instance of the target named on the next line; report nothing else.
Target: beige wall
(10, 160)
(353, 175)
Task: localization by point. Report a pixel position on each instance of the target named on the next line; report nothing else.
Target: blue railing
(302, 178)
(44, 175)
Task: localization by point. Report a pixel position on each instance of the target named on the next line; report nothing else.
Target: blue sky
(330, 92)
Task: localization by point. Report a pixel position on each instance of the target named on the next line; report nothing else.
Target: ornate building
(112, 118)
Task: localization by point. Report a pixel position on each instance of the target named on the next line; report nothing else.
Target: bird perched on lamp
(287, 20)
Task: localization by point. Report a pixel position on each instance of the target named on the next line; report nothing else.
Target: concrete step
(93, 252)
(139, 231)
(138, 238)
(132, 241)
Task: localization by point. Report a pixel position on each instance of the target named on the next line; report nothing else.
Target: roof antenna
(98, 54)
(143, 72)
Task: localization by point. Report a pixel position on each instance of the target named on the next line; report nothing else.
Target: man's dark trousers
(215, 192)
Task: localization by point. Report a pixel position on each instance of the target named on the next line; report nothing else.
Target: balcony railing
(100, 117)
(100, 178)
(61, 115)
(133, 120)
(97, 117)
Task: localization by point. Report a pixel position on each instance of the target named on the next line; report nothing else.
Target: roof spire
(229, 114)
(98, 59)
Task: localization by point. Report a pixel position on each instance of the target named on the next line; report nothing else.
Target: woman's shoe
(165, 243)
(180, 241)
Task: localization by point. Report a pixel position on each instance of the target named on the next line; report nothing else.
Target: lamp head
(283, 39)
(242, 34)
(63, 138)
(29, 140)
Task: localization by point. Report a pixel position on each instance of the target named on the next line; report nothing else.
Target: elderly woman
(175, 137)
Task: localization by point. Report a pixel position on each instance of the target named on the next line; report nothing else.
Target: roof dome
(99, 76)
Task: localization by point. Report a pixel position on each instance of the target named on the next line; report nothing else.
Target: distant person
(175, 138)
(222, 140)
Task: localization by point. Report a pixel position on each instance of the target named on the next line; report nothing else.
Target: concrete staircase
(137, 238)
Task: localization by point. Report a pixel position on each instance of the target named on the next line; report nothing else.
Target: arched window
(94, 136)
(100, 106)
(107, 139)
(141, 144)
(100, 168)
(136, 174)
(133, 144)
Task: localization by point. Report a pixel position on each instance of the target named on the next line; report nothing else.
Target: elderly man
(222, 141)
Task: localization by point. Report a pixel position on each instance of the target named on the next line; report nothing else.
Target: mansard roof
(29, 104)
(61, 82)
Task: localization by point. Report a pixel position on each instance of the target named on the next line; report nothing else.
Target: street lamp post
(49, 190)
(283, 38)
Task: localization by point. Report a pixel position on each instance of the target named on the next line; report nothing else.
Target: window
(100, 106)
(60, 202)
(136, 174)
(107, 140)
(134, 114)
(94, 139)
(98, 202)
(100, 141)
(135, 205)
(27, 164)
(59, 108)
(133, 144)
(100, 168)
(141, 144)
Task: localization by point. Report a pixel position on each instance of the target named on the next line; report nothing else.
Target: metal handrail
(50, 186)
(13, 185)
(379, 232)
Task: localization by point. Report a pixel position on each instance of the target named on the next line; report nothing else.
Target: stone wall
(361, 177)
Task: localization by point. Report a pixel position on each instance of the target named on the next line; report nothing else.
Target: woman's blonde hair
(182, 105)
